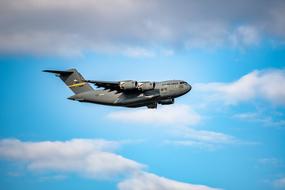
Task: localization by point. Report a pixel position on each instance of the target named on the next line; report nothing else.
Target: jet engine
(128, 85)
(166, 102)
(143, 86)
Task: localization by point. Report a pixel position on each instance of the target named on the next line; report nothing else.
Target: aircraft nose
(188, 87)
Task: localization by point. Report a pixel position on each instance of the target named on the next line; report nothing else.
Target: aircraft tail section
(73, 79)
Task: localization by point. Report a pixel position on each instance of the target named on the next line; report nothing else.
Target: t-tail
(73, 79)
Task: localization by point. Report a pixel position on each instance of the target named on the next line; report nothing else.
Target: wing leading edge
(111, 85)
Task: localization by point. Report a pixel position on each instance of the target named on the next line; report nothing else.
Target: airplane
(126, 93)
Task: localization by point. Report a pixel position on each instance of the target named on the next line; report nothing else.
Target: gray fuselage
(161, 93)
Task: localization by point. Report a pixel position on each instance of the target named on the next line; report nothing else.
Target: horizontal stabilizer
(58, 72)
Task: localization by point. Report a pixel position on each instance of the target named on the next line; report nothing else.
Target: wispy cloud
(279, 183)
(150, 181)
(165, 115)
(271, 162)
(245, 36)
(264, 84)
(263, 118)
(201, 139)
(87, 158)
(180, 121)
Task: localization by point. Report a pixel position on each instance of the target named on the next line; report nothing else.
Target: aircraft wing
(112, 85)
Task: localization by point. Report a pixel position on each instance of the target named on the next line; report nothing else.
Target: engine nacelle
(128, 85)
(143, 86)
(166, 102)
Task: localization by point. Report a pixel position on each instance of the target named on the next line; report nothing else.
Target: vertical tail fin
(73, 79)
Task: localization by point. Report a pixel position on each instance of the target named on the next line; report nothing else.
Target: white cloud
(88, 158)
(279, 183)
(150, 181)
(165, 115)
(92, 158)
(266, 84)
(73, 26)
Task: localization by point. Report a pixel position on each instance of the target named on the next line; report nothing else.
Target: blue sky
(227, 133)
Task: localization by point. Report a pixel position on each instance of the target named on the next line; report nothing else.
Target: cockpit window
(183, 82)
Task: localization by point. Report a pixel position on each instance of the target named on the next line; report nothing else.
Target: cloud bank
(92, 158)
(88, 158)
(135, 27)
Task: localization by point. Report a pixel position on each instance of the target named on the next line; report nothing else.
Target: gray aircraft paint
(113, 93)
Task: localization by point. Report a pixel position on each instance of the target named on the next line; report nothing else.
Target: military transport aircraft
(127, 93)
